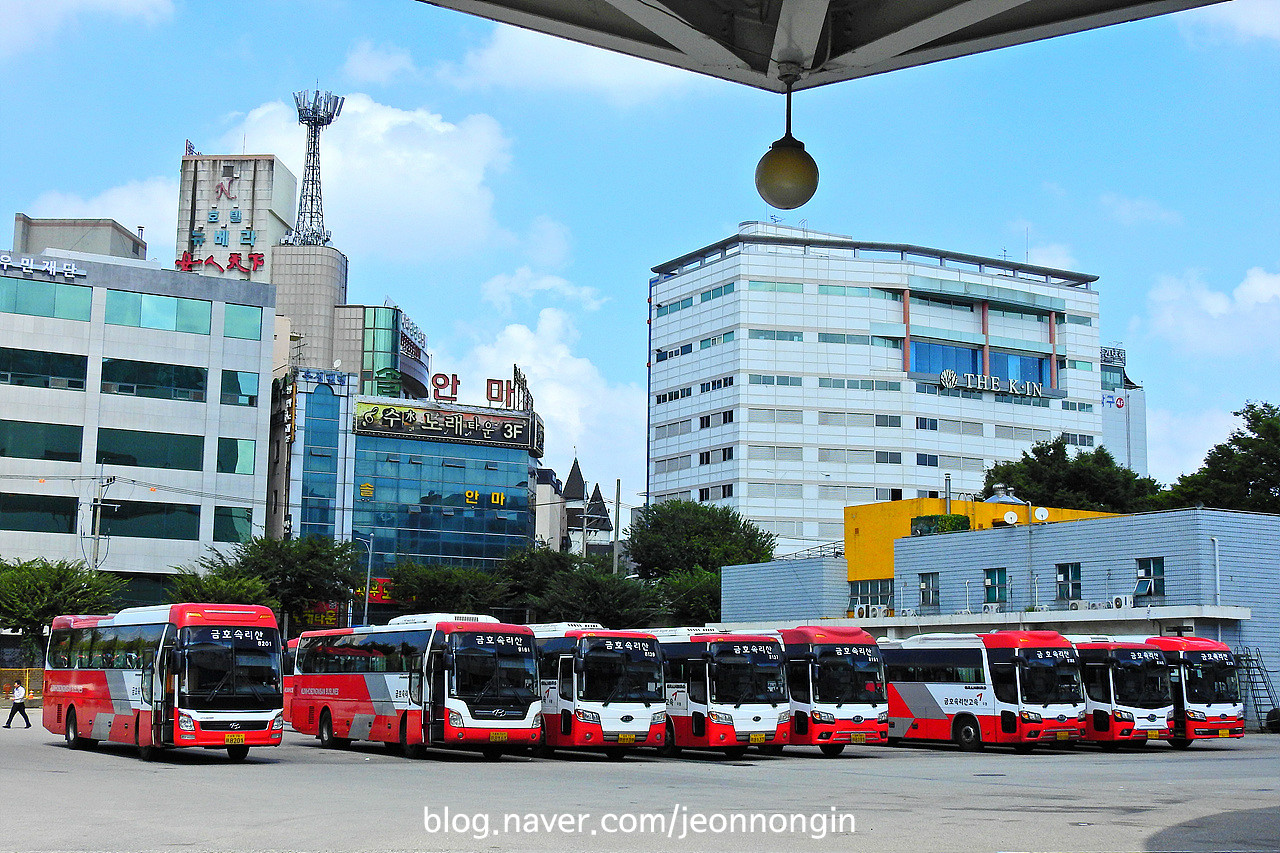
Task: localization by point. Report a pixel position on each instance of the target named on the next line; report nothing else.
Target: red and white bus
(290, 664)
(1126, 691)
(435, 679)
(836, 680)
(1206, 689)
(601, 690)
(203, 675)
(1009, 687)
(724, 691)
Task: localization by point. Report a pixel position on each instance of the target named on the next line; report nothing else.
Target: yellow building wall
(869, 529)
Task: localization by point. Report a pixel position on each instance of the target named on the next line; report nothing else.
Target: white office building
(793, 373)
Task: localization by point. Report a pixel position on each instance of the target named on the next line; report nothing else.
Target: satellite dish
(1042, 514)
(1010, 517)
(337, 362)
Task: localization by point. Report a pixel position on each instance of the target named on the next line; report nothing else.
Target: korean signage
(520, 431)
(324, 614)
(977, 382)
(1112, 355)
(1113, 401)
(504, 393)
(249, 262)
(44, 266)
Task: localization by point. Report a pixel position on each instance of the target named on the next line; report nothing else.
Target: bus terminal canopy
(745, 41)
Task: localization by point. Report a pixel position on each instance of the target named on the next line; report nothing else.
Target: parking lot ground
(1221, 795)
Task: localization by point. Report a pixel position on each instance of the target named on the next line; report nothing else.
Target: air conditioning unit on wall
(878, 610)
(991, 608)
(1122, 601)
(1076, 605)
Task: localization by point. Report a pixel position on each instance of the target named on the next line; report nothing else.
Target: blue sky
(511, 191)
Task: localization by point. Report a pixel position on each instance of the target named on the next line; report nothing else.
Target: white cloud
(368, 64)
(29, 24)
(1136, 211)
(402, 184)
(1243, 19)
(1178, 441)
(525, 284)
(152, 203)
(548, 243)
(1053, 255)
(581, 408)
(1196, 318)
(525, 60)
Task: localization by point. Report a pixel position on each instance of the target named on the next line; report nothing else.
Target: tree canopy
(33, 592)
(448, 589)
(1051, 475)
(220, 585)
(1241, 473)
(588, 593)
(676, 536)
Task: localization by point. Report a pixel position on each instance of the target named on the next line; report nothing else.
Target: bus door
(799, 681)
(158, 683)
(438, 665)
(701, 670)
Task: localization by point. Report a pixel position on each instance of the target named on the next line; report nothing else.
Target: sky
(511, 191)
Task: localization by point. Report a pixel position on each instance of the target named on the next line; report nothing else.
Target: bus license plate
(858, 737)
(1152, 734)
(626, 738)
(497, 737)
(757, 738)
(1064, 735)
(237, 738)
(1224, 733)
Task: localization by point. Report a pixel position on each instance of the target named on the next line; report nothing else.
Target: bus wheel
(408, 750)
(1179, 742)
(616, 753)
(72, 733)
(239, 752)
(327, 738)
(893, 741)
(967, 734)
(735, 752)
(831, 750)
(146, 753)
(669, 748)
(492, 753)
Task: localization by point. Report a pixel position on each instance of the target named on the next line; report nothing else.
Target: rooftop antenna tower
(316, 110)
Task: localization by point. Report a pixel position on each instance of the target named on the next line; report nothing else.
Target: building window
(45, 299)
(774, 335)
(160, 381)
(670, 396)
(1150, 576)
(674, 306)
(715, 493)
(239, 388)
(888, 420)
(42, 369)
(873, 592)
(716, 384)
(765, 379)
(1020, 368)
(929, 357)
(927, 423)
(672, 430)
(135, 448)
(716, 292)
(995, 583)
(888, 457)
(683, 349)
(148, 520)
(1068, 581)
(929, 592)
(242, 321)
(776, 286)
(38, 513)
(842, 290)
(152, 311)
(55, 442)
(236, 455)
(928, 460)
(888, 494)
(1078, 439)
(232, 524)
(716, 419)
(713, 341)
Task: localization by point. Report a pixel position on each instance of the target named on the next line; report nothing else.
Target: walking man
(19, 704)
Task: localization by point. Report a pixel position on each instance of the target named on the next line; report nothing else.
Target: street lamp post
(368, 574)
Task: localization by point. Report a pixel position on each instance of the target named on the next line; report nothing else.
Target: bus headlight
(188, 725)
(658, 718)
(1030, 717)
(1080, 718)
(883, 719)
(537, 720)
(818, 717)
(587, 716)
(1122, 716)
(720, 717)
(277, 725)
(455, 719)
(1196, 715)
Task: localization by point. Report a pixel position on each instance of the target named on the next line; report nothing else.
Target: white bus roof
(543, 630)
(433, 618)
(684, 635)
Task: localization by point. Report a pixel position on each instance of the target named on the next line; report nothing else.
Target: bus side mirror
(447, 661)
(1112, 659)
(579, 665)
(1019, 660)
(148, 675)
(415, 686)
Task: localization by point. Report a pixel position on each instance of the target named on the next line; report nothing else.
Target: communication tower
(316, 110)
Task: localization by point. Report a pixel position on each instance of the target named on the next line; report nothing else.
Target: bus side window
(1096, 683)
(798, 680)
(697, 674)
(1004, 683)
(566, 678)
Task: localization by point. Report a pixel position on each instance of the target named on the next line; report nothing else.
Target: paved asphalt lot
(1215, 796)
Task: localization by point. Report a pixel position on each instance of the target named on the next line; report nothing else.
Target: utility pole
(617, 521)
(586, 505)
(99, 490)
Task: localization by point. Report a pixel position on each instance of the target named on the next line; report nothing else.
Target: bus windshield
(848, 674)
(494, 668)
(1211, 678)
(748, 672)
(229, 668)
(1050, 676)
(621, 669)
(1141, 679)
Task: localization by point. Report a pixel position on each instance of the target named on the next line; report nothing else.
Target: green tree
(220, 585)
(1242, 473)
(297, 572)
(675, 536)
(33, 592)
(590, 593)
(691, 596)
(448, 589)
(532, 571)
(1050, 475)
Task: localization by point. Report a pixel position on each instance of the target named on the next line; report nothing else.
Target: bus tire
(831, 750)
(146, 753)
(327, 739)
(669, 748)
(492, 753)
(735, 752)
(967, 734)
(1180, 742)
(893, 741)
(72, 733)
(238, 753)
(408, 750)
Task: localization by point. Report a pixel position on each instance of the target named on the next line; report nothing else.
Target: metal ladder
(1257, 685)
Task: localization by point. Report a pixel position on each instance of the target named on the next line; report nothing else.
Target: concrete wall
(815, 588)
